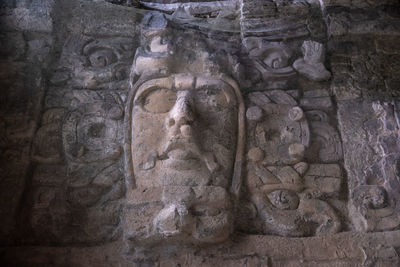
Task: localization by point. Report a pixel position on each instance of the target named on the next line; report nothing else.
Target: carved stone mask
(184, 137)
(184, 142)
(184, 132)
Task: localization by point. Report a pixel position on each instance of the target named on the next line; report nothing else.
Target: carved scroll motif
(78, 146)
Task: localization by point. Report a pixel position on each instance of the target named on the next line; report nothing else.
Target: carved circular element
(296, 114)
(275, 132)
(370, 196)
(102, 57)
(115, 113)
(254, 113)
(101, 63)
(272, 62)
(297, 151)
(284, 199)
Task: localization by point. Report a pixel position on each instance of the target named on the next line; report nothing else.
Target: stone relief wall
(292, 177)
(26, 42)
(83, 116)
(175, 132)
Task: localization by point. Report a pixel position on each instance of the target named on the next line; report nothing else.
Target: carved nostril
(171, 122)
(182, 121)
(186, 131)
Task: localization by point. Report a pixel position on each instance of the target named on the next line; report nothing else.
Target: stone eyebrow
(147, 86)
(217, 84)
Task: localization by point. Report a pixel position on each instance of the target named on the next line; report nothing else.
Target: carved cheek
(227, 130)
(148, 132)
(219, 134)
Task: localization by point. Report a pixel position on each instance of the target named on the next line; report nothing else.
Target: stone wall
(177, 133)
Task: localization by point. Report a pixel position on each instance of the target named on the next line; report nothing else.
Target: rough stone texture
(371, 155)
(26, 44)
(345, 249)
(197, 133)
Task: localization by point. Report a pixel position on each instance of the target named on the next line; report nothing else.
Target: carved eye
(97, 130)
(210, 99)
(102, 57)
(159, 101)
(121, 72)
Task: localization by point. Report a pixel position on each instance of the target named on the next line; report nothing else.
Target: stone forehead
(184, 81)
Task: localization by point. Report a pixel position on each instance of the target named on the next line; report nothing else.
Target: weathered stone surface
(346, 249)
(370, 155)
(102, 19)
(197, 133)
(255, 154)
(325, 143)
(379, 19)
(22, 85)
(29, 16)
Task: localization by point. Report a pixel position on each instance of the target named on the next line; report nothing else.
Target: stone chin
(178, 215)
(204, 217)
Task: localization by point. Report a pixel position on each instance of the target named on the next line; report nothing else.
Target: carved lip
(181, 149)
(183, 165)
(181, 154)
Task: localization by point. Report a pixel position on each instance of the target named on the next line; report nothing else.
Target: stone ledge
(344, 249)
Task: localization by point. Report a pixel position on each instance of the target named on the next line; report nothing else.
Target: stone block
(327, 178)
(324, 103)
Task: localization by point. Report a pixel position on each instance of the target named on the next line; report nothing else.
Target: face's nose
(181, 115)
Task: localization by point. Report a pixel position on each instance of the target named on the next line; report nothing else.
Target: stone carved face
(184, 136)
(184, 132)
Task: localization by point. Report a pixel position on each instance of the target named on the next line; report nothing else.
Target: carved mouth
(179, 149)
(181, 154)
(185, 154)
